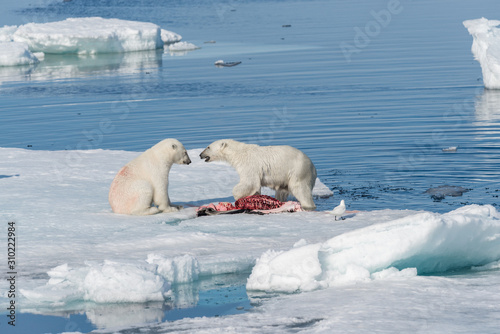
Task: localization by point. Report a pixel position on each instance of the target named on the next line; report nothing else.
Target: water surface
(373, 120)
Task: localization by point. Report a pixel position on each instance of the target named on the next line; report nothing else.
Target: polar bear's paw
(145, 211)
(173, 208)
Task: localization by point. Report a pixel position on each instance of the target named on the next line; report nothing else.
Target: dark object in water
(222, 63)
(439, 193)
(286, 26)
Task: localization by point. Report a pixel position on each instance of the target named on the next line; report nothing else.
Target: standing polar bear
(282, 168)
(144, 180)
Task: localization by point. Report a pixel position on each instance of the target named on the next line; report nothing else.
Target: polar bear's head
(216, 151)
(173, 150)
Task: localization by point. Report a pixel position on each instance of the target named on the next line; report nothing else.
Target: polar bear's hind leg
(142, 205)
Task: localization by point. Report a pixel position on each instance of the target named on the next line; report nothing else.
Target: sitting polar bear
(144, 180)
(282, 168)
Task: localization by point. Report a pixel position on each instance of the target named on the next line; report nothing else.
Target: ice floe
(107, 282)
(424, 243)
(486, 48)
(87, 35)
(77, 255)
(182, 46)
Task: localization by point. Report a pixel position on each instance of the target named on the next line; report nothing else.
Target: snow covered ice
(486, 49)
(169, 37)
(424, 243)
(88, 35)
(76, 251)
(77, 220)
(14, 53)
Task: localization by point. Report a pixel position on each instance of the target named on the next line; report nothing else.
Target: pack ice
(486, 48)
(75, 250)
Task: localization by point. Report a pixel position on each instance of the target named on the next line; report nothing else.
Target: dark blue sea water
(371, 90)
(371, 98)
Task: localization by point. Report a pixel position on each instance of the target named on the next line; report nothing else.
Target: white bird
(339, 210)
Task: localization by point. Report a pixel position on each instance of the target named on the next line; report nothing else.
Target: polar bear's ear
(223, 144)
(174, 146)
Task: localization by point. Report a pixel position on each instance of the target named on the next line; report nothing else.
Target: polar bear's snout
(204, 155)
(184, 159)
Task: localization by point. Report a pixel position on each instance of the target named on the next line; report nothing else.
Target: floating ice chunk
(114, 283)
(63, 286)
(89, 35)
(169, 37)
(109, 282)
(222, 63)
(425, 242)
(13, 54)
(321, 190)
(182, 46)
(181, 269)
(450, 149)
(486, 49)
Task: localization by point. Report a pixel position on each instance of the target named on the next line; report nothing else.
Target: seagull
(339, 210)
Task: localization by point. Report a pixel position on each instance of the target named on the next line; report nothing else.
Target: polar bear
(144, 180)
(282, 168)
